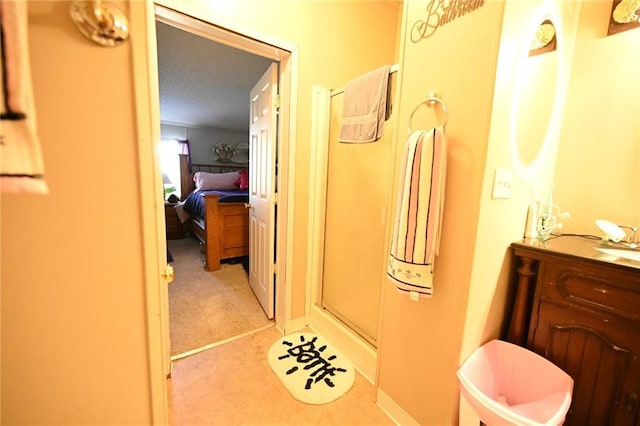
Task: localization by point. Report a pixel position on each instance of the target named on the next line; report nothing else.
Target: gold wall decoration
(544, 39)
(625, 15)
(439, 13)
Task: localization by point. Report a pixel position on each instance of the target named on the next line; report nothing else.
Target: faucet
(632, 239)
(614, 234)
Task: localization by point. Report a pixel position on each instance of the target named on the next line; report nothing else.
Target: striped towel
(21, 164)
(416, 236)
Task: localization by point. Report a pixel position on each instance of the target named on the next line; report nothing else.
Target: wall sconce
(625, 15)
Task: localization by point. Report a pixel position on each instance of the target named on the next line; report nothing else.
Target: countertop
(579, 247)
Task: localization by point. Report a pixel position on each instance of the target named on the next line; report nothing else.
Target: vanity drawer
(589, 286)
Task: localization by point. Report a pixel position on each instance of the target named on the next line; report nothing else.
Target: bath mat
(311, 370)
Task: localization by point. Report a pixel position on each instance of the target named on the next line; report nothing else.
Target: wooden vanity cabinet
(583, 314)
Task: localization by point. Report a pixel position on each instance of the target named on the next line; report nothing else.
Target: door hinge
(275, 198)
(276, 103)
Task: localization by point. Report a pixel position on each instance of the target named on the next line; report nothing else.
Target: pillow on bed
(222, 181)
(243, 180)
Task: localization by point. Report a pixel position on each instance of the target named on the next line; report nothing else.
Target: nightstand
(175, 228)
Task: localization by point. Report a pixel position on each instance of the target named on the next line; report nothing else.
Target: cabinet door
(599, 353)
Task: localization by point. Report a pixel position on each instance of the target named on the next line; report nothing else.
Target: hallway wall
(74, 339)
(203, 139)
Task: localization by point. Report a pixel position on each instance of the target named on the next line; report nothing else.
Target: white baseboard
(393, 410)
(360, 353)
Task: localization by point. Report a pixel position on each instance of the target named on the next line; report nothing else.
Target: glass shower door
(354, 264)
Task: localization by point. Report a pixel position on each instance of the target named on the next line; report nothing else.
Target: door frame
(143, 16)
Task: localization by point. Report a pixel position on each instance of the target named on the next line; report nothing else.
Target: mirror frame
(545, 11)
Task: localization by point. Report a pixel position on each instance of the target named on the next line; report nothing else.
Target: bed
(219, 218)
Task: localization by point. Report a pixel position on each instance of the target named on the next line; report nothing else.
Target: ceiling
(204, 83)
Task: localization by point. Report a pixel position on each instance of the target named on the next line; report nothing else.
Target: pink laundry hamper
(507, 384)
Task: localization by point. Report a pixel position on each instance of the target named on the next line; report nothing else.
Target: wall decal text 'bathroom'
(441, 12)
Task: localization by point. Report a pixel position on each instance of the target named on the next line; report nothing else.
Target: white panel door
(262, 191)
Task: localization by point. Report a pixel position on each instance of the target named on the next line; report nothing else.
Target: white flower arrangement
(224, 152)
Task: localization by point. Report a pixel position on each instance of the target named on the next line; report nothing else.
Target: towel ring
(428, 102)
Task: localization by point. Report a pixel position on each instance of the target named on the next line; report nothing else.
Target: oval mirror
(535, 94)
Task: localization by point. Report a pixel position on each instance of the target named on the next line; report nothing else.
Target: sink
(621, 253)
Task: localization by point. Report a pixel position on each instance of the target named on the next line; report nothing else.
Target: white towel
(21, 165)
(365, 106)
(416, 236)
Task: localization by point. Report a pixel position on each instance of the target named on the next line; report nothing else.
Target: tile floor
(232, 384)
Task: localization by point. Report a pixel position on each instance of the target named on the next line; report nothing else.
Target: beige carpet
(207, 307)
(233, 384)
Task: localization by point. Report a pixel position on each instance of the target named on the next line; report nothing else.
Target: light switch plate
(502, 183)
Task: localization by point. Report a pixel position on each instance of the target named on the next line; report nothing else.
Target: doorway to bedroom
(207, 308)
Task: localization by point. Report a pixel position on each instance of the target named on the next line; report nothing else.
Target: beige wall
(73, 308)
(418, 362)
(73, 297)
(598, 170)
(502, 221)
(420, 341)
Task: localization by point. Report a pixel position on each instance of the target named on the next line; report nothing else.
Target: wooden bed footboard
(226, 231)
